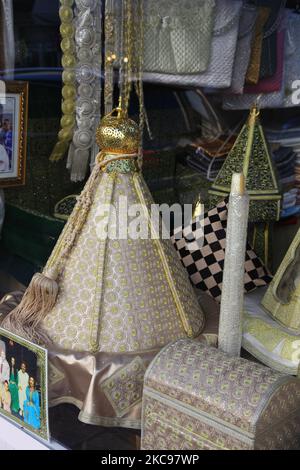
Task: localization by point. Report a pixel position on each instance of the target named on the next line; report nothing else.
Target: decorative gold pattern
(250, 155)
(125, 304)
(118, 133)
(217, 401)
(124, 388)
(282, 299)
(131, 299)
(168, 428)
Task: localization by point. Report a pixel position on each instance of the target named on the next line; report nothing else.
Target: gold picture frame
(13, 132)
(25, 406)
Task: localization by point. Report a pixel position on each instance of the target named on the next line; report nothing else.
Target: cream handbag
(177, 35)
(223, 46)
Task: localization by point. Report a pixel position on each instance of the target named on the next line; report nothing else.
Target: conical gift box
(250, 155)
(120, 299)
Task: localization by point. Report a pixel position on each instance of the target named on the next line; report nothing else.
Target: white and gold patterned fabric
(119, 302)
(266, 339)
(282, 299)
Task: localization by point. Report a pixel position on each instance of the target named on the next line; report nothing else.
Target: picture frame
(24, 384)
(13, 132)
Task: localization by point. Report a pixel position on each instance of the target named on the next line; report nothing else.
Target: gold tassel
(38, 300)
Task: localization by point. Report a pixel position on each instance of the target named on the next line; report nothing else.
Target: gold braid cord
(73, 227)
(110, 54)
(131, 64)
(67, 122)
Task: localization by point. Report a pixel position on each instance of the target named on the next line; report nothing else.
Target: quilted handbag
(178, 35)
(224, 41)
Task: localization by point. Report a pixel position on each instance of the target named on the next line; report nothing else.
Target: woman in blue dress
(32, 405)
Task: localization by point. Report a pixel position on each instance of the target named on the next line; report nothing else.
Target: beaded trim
(68, 90)
(88, 80)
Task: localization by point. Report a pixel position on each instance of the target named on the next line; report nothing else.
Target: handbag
(274, 83)
(268, 64)
(243, 48)
(224, 40)
(177, 35)
(291, 72)
(267, 100)
(252, 75)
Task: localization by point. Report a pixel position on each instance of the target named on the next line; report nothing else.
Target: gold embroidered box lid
(234, 393)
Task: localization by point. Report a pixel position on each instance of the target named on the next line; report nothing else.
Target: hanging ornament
(250, 155)
(67, 122)
(88, 81)
(81, 92)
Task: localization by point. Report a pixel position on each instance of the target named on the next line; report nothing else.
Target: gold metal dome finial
(118, 133)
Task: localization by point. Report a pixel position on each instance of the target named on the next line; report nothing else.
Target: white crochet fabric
(177, 35)
(224, 40)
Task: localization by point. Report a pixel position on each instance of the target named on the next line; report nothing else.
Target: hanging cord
(122, 48)
(127, 59)
(110, 54)
(139, 41)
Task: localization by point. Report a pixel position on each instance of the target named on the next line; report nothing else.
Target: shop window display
(182, 86)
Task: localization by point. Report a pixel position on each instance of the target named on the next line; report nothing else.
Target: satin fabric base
(78, 377)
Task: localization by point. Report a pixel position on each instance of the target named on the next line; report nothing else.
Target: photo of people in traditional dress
(19, 387)
(6, 141)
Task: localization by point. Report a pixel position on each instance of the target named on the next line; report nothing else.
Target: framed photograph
(23, 384)
(13, 132)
